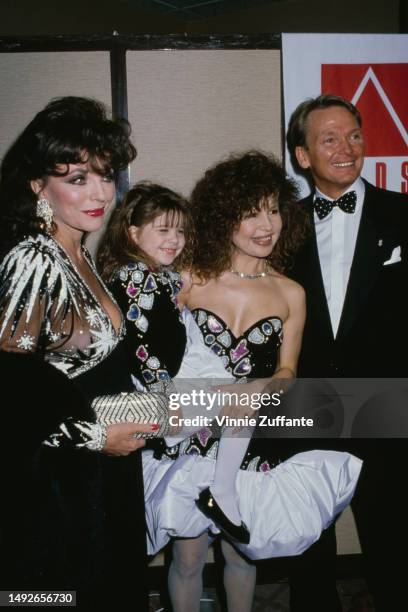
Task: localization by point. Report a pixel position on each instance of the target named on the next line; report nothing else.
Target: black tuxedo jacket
(372, 339)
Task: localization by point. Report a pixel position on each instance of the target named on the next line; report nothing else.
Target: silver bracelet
(99, 437)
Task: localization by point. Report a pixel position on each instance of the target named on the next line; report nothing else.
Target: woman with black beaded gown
(250, 315)
(57, 182)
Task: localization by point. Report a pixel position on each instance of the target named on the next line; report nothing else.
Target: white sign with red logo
(370, 70)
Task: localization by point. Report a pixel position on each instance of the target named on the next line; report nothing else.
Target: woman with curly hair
(83, 508)
(247, 227)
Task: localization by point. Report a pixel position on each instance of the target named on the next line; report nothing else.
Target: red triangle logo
(382, 135)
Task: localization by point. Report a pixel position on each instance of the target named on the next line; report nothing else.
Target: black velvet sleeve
(156, 333)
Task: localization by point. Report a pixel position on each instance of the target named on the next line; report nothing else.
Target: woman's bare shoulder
(292, 289)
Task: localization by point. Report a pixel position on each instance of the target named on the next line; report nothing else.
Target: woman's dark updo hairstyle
(70, 130)
(225, 195)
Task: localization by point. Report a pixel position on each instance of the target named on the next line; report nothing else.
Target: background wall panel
(30, 80)
(190, 108)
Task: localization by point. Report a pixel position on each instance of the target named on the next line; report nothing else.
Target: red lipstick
(95, 212)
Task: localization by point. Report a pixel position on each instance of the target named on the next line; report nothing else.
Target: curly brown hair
(225, 195)
(141, 205)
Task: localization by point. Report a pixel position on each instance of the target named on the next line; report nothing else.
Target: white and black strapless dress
(286, 501)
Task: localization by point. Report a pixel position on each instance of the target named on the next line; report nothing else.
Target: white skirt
(285, 509)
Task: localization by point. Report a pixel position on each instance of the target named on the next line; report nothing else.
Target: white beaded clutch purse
(134, 407)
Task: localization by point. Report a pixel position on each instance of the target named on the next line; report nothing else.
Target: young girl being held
(143, 241)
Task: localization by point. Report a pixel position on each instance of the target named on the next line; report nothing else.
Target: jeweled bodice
(252, 354)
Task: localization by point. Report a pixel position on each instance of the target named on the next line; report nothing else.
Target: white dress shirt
(336, 240)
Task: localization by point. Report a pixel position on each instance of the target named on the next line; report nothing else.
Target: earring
(44, 212)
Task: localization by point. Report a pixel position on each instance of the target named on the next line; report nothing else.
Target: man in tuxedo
(354, 270)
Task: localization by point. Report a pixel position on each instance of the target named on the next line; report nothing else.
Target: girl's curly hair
(69, 130)
(141, 205)
(221, 199)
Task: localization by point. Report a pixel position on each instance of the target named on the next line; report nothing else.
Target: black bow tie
(347, 203)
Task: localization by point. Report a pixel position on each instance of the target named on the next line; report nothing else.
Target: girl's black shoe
(208, 506)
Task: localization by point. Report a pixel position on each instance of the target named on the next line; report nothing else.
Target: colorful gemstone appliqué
(256, 336)
(137, 276)
(142, 323)
(133, 313)
(225, 361)
(146, 301)
(225, 339)
(163, 375)
(214, 325)
(239, 351)
(267, 328)
(244, 367)
(150, 284)
(277, 324)
(148, 376)
(131, 290)
(153, 363)
(201, 317)
(204, 435)
(142, 353)
(217, 348)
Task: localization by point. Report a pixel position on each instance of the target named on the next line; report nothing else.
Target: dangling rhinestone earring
(44, 212)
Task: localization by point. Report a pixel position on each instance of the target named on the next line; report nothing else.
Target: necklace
(249, 276)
